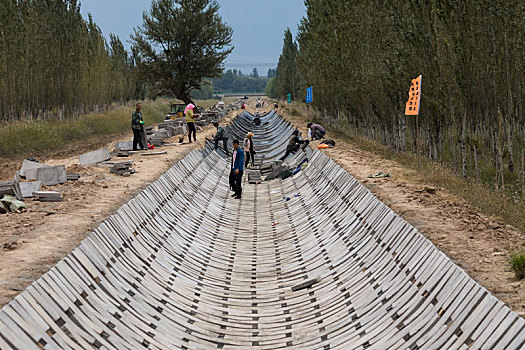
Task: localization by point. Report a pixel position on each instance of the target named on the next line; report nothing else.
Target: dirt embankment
(32, 242)
(475, 242)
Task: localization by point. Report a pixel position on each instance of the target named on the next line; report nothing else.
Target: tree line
(361, 56)
(233, 80)
(54, 63)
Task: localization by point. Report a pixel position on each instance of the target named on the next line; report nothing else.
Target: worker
(236, 171)
(257, 119)
(221, 134)
(249, 152)
(137, 125)
(275, 105)
(293, 144)
(317, 131)
(190, 120)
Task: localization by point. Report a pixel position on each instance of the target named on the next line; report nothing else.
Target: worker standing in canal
(190, 120)
(236, 170)
(137, 125)
(221, 134)
(249, 151)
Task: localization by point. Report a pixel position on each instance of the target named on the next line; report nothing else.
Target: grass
(517, 263)
(25, 137)
(485, 198)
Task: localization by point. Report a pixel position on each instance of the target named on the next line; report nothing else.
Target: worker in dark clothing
(293, 145)
(257, 119)
(236, 171)
(317, 131)
(221, 134)
(137, 125)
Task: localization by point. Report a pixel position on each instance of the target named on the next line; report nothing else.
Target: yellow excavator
(177, 111)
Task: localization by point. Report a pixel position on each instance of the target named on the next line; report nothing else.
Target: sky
(258, 26)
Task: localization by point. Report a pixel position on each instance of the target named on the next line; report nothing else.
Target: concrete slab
(31, 174)
(94, 157)
(29, 164)
(62, 176)
(124, 146)
(48, 176)
(27, 188)
(162, 133)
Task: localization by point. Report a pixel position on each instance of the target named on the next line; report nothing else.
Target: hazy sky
(258, 26)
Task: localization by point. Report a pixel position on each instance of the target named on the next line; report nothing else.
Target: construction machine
(177, 111)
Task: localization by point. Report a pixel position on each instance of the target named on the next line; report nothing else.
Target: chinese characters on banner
(310, 95)
(414, 97)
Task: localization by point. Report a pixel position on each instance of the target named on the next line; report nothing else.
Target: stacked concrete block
(27, 188)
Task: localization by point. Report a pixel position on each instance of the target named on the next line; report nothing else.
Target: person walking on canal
(236, 170)
(137, 125)
(190, 120)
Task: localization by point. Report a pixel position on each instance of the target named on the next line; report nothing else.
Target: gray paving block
(124, 146)
(30, 174)
(29, 164)
(61, 171)
(162, 133)
(48, 176)
(94, 157)
(28, 188)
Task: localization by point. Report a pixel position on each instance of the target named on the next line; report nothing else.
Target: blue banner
(310, 95)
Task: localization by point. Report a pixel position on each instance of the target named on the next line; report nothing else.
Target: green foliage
(180, 43)
(205, 92)
(517, 263)
(53, 63)
(235, 81)
(286, 78)
(269, 90)
(361, 56)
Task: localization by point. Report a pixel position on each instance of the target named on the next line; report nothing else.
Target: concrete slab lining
(184, 265)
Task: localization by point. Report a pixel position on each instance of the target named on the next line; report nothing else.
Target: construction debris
(378, 175)
(30, 164)
(11, 187)
(254, 176)
(27, 188)
(122, 168)
(48, 196)
(153, 153)
(49, 175)
(12, 204)
(94, 157)
(72, 176)
(124, 146)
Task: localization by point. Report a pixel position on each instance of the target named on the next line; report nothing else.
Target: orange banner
(414, 97)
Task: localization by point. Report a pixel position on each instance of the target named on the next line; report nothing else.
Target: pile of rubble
(28, 183)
